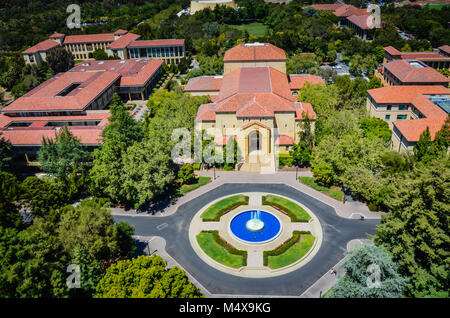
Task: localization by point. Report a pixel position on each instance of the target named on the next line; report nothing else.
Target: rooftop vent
(254, 44)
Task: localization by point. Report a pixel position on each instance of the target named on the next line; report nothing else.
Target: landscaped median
(290, 252)
(215, 211)
(293, 210)
(220, 251)
(185, 188)
(334, 192)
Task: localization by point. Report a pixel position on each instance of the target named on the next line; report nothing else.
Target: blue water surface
(271, 227)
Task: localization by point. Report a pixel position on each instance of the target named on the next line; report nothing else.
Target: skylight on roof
(442, 101)
(415, 63)
(101, 62)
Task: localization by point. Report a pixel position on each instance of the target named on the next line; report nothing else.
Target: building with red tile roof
(254, 54)
(255, 104)
(78, 99)
(409, 110)
(435, 60)
(349, 16)
(120, 43)
(412, 72)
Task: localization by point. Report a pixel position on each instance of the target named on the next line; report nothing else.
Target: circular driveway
(337, 231)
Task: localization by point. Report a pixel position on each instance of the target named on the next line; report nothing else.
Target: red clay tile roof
(445, 48)
(348, 10)
(360, 20)
(41, 47)
(146, 43)
(304, 108)
(44, 97)
(297, 81)
(206, 112)
(412, 129)
(204, 83)
(392, 51)
(327, 7)
(414, 95)
(33, 137)
(134, 72)
(89, 38)
(123, 41)
(254, 52)
(56, 35)
(284, 140)
(120, 32)
(407, 73)
(254, 123)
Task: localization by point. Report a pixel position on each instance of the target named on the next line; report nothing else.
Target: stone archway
(254, 142)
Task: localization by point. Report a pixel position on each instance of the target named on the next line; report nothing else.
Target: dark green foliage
(360, 279)
(9, 195)
(100, 54)
(395, 162)
(41, 196)
(60, 60)
(323, 174)
(375, 127)
(6, 154)
(145, 277)
(186, 174)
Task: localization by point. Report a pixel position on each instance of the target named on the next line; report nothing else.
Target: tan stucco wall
(231, 66)
(197, 6)
(380, 111)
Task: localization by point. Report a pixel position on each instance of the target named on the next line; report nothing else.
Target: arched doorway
(254, 141)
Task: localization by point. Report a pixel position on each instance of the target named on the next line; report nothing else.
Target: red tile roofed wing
(89, 38)
(146, 43)
(445, 48)
(204, 83)
(206, 112)
(326, 7)
(263, 52)
(43, 97)
(360, 20)
(421, 55)
(42, 47)
(348, 10)
(120, 32)
(404, 94)
(407, 73)
(253, 109)
(284, 140)
(143, 75)
(392, 51)
(306, 108)
(31, 137)
(412, 129)
(123, 41)
(56, 35)
(297, 81)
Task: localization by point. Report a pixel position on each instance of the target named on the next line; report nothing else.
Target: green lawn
(185, 188)
(215, 211)
(293, 254)
(335, 193)
(217, 252)
(255, 28)
(295, 211)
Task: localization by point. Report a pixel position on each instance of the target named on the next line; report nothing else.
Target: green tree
(301, 152)
(415, 231)
(375, 127)
(145, 277)
(100, 54)
(9, 195)
(91, 226)
(361, 281)
(6, 154)
(323, 174)
(40, 196)
(422, 147)
(186, 174)
(303, 64)
(60, 60)
(62, 156)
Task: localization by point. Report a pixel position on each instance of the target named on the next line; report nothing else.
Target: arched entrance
(254, 142)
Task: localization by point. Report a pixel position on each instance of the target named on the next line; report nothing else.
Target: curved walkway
(174, 228)
(352, 210)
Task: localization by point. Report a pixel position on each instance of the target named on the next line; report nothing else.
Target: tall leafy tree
(41, 197)
(145, 277)
(60, 60)
(62, 156)
(9, 195)
(369, 273)
(6, 154)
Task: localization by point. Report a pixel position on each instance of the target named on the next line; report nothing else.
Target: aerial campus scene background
(224, 149)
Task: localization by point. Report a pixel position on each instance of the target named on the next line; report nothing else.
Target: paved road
(337, 231)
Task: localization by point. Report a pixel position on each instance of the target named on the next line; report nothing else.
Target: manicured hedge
(215, 211)
(284, 247)
(230, 249)
(285, 159)
(292, 209)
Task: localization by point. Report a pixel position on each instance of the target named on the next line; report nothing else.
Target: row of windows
(155, 52)
(399, 117)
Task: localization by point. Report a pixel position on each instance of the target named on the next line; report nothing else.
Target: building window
(388, 107)
(401, 117)
(387, 117)
(402, 107)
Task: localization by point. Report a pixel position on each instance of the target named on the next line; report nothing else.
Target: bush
(295, 212)
(230, 249)
(186, 174)
(285, 160)
(196, 166)
(324, 174)
(372, 206)
(284, 247)
(215, 211)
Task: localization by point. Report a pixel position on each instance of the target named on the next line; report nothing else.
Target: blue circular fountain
(255, 227)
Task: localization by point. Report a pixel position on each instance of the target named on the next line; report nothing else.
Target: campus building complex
(121, 44)
(77, 99)
(253, 103)
(409, 110)
(437, 60)
(197, 5)
(351, 17)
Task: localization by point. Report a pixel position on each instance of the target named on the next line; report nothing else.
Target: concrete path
(352, 210)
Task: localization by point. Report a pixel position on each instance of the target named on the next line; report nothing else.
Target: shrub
(186, 174)
(230, 249)
(372, 206)
(196, 166)
(295, 212)
(284, 247)
(215, 211)
(285, 160)
(324, 174)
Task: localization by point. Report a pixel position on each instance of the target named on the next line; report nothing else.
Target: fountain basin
(248, 229)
